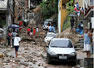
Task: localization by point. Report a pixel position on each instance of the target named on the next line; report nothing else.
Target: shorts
(87, 47)
(16, 48)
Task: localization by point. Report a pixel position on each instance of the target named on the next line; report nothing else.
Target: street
(32, 54)
(34, 33)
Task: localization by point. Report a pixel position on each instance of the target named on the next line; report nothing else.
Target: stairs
(80, 44)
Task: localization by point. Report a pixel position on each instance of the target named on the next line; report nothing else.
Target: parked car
(49, 36)
(1, 33)
(45, 24)
(61, 49)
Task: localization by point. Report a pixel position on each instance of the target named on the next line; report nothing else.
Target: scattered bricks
(24, 63)
(17, 60)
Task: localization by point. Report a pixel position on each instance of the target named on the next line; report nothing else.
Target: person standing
(34, 31)
(80, 27)
(17, 40)
(9, 37)
(28, 30)
(87, 43)
(37, 29)
(13, 35)
(20, 23)
(51, 28)
(72, 23)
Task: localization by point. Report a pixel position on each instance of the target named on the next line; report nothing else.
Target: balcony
(89, 11)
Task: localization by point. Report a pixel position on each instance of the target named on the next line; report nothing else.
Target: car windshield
(45, 23)
(61, 44)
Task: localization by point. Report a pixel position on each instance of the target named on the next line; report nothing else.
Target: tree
(49, 8)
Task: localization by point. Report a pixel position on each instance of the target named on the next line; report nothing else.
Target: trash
(1, 55)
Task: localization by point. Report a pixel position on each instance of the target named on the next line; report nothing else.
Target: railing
(89, 4)
(89, 10)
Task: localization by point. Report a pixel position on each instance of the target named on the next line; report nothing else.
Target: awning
(3, 4)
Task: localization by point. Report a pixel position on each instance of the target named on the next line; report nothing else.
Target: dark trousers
(8, 41)
(12, 42)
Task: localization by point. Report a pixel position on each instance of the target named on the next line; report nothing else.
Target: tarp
(3, 4)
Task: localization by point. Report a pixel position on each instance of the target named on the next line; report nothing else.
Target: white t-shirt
(16, 41)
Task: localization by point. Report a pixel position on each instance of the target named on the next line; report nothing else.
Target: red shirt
(28, 29)
(20, 28)
(76, 9)
(20, 23)
(34, 31)
(9, 34)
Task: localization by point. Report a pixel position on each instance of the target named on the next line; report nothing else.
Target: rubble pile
(67, 34)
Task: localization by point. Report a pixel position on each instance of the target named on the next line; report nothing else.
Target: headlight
(51, 53)
(73, 54)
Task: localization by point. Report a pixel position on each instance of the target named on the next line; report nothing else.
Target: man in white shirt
(17, 40)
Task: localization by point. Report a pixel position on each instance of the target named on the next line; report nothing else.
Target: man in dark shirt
(72, 23)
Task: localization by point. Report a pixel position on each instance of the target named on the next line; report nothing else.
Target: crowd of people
(86, 33)
(78, 9)
(51, 27)
(14, 40)
(32, 31)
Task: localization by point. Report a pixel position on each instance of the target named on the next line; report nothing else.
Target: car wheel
(49, 60)
(74, 62)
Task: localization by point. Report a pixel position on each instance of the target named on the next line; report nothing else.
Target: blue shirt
(51, 29)
(86, 38)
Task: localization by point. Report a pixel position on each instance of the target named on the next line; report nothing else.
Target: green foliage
(67, 23)
(70, 8)
(49, 8)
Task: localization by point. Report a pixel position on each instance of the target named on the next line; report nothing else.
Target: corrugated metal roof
(3, 4)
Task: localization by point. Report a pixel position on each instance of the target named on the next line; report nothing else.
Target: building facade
(6, 15)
